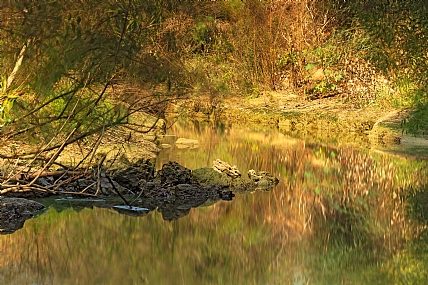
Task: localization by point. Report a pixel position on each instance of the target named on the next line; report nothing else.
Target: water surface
(340, 215)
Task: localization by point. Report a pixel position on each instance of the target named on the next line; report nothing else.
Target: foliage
(6, 103)
(79, 59)
(397, 31)
(78, 54)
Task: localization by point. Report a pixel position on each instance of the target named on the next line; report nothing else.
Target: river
(340, 215)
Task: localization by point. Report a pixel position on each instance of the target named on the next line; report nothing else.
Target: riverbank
(323, 120)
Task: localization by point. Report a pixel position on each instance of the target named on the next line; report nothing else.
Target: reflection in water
(338, 216)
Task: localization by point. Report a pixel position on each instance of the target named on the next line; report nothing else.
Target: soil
(323, 120)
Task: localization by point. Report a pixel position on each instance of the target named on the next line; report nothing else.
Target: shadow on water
(339, 216)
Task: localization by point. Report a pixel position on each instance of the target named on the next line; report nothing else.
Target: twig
(117, 192)
(139, 195)
(99, 174)
(87, 187)
(93, 149)
(67, 181)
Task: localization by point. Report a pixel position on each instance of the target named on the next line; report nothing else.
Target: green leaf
(309, 66)
(317, 191)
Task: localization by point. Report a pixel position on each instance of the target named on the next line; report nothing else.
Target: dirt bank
(325, 120)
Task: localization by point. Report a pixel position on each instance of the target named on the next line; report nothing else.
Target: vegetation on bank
(72, 69)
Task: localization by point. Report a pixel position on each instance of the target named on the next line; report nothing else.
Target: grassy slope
(323, 71)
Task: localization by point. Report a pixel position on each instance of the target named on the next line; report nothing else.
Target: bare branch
(17, 64)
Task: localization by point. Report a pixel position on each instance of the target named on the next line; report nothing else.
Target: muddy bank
(324, 120)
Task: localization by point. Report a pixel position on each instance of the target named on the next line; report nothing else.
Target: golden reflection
(338, 216)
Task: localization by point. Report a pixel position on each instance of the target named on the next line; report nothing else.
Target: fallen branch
(23, 176)
(26, 188)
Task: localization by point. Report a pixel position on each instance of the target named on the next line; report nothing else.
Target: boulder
(173, 173)
(134, 175)
(186, 143)
(15, 211)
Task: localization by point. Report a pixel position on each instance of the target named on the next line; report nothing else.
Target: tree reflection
(338, 216)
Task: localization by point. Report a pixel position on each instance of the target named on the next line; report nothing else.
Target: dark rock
(193, 191)
(45, 181)
(91, 185)
(173, 173)
(133, 176)
(151, 189)
(147, 169)
(226, 195)
(129, 178)
(14, 212)
(216, 192)
(188, 191)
